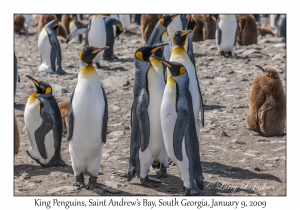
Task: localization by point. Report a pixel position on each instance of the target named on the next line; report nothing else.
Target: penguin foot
(60, 71)
(171, 162)
(162, 173)
(112, 57)
(79, 181)
(101, 67)
(92, 183)
(60, 162)
(130, 174)
(149, 182)
(222, 53)
(229, 53)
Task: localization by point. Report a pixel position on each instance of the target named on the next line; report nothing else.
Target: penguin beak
(33, 80)
(261, 68)
(158, 47)
(100, 49)
(185, 33)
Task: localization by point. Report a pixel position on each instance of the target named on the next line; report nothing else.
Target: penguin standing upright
(73, 25)
(44, 125)
(95, 35)
(49, 48)
(178, 125)
(148, 23)
(226, 34)
(146, 141)
(16, 74)
(87, 120)
(183, 53)
(281, 26)
(110, 37)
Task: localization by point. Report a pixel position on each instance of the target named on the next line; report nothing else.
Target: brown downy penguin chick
(148, 23)
(201, 32)
(211, 25)
(247, 29)
(64, 110)
(19, 21)
(65, 21)
(267, 108)
(265, 30)
(16, 136)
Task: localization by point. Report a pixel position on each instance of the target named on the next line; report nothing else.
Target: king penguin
(226, 34)
(44, 125)
(125, 20)
(95, 35)
(160, 34)
(87, 120)
(110, 37)
(179, 22)
(73, 25)
(49, 48)
(178, 126)
(146, 141)
(183, 53)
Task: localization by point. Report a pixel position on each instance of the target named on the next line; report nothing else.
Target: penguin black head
(41, 86)
(144, 53)
(159, 51)
(167, 19)
(191, 24)
(54, 24)
(269, 72)
(176, 69)
(88, 53)
(118, 31)
(179, 37)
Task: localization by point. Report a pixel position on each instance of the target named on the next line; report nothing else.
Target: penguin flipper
(70, 119)
(143, 119)
(179, 131)
(218, 33)
(201, 107)
(105, 118)
(77, 32)
(42, 131)
(53, 54)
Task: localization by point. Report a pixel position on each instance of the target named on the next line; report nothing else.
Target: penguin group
(167, 109)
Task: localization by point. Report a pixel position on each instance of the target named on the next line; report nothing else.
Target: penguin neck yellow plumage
(179, 54)
(157, 65)
(171, 87)
(32, 97)
(88, 72)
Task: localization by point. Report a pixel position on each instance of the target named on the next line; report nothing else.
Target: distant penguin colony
(267, 109)
(167, 103)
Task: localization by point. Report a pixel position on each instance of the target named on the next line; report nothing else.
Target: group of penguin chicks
(166, 105)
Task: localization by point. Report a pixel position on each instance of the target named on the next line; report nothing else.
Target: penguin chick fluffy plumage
(267, 104)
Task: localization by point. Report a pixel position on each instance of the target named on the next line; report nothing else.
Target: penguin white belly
(156, 141)
(228, 29)
(125, 20)
(86, 143)
(73, 27)
(167, 50)
(168, 120)
(183, 58)
(45, 51)
(33, 121)
(159, 70)
(97, 35)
